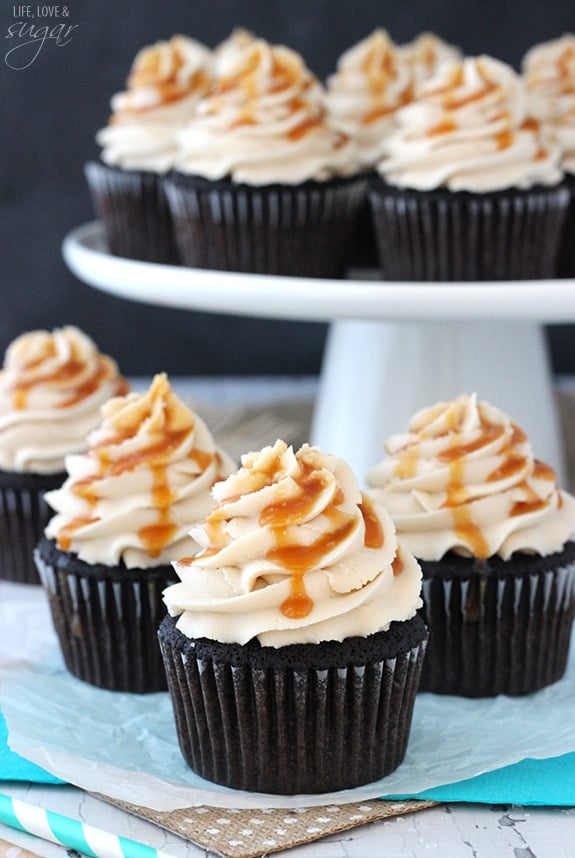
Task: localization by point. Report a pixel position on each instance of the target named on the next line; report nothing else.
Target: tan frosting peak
(165, 84)
(165, 72)
(264, 121)
(293, 552)
(52, 386)
(426, 53)
(463, 478)
(549, 72)
(145, 477)
(467, 130)
(373, 79)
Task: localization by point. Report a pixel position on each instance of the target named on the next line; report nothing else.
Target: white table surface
(445, 831)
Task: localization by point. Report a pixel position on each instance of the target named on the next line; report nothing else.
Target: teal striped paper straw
(69, 832)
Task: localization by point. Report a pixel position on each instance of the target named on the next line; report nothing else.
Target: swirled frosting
(293, 553)
(145, 477)
(463, 478)
(425, 54)
(549, 73)
(164, 85)
(372, 81)
(468, 131)
(264, 122)
(52, 387)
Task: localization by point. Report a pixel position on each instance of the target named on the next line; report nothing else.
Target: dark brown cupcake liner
(23, 516)
(492, 632)
(566, 254)
(306, 230)
(441, 236)
(307, 724)
(106, 619)
(134, 212)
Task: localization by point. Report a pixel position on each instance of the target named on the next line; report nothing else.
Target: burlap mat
(234, 833)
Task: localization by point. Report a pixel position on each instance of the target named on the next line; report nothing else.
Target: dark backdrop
(51, 110)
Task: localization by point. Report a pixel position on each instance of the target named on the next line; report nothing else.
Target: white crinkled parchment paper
(125, 746)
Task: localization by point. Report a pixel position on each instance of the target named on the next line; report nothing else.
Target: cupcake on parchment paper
(263, 183)
(492, 532)
(122, 516)
(292, 645)
(470, 188)
(373, 79)
(139, 146)
(52, 386)
(549, 73)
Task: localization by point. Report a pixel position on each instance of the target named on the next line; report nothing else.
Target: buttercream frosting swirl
(293, 552)
(468, 130)
(263, 122)
(463, 478)
(145, 477)
(52, 386)
(549, 73)
(165, 83)
(425, 54)
(372, 81)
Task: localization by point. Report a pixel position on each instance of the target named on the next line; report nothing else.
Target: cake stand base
(377, 374)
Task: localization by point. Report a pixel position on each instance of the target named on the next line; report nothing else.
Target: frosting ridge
(464, 478)
(52, 386)
(145, 477)
(293, 553)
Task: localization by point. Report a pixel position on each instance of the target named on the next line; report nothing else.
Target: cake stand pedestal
(377, 374)
(392, 348)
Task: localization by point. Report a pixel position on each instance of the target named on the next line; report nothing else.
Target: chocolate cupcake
(492, 533)
(549, 73)
(122, 516)
(52, 386)
(139, 146)
(262, 182)
(293, 645)
(469, 186)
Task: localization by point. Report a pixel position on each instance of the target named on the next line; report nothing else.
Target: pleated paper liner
(134, 212)
(497, 627)
(235, 833)
(23, 516)
(106, 619)
(437, 235)
(304, 230)
(298, 719)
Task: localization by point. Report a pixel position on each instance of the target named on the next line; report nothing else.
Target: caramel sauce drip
(406, 466)
(445, 127)
(504, 139)
(66, 533)
(542, 471)
(156, 536)
(397, 565)
(65, 373)
(469, 533)
(373, 530)
(512, 465)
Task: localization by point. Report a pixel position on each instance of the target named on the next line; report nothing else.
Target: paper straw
(70, 833)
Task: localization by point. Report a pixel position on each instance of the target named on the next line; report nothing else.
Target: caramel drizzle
(156, 536)
(456, 493)
(66, 373)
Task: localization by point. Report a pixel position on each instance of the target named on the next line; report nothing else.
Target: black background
(51, 110)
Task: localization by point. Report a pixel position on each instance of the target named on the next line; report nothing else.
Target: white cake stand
(392, 348)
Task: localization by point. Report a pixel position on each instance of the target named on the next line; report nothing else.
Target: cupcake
(52, 385)
(492, 532)
(469, 187)
(262, 182)
(374, 78)
(292, 642)
(139, 146)
(122, 516)
(549, 73)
